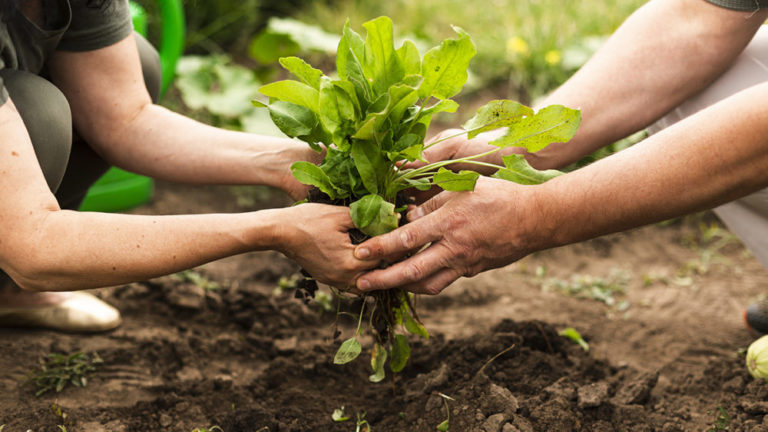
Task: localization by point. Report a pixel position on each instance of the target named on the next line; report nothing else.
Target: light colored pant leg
(746, 217)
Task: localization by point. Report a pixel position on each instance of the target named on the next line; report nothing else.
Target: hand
(469, 232)
(457, 146)
(316, 237)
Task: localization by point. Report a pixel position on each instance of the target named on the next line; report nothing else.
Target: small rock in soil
(593, 395)
(509, 428)
(499, 399)
(637, 391)
(562, 388)
(186, 296)
(494, 423)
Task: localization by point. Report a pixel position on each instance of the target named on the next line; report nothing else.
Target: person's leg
(746, 217)
(70, 167)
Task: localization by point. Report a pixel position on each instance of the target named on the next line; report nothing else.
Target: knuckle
(408, 239)
(414, 271)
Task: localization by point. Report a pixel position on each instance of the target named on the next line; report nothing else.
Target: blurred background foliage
(525, 47)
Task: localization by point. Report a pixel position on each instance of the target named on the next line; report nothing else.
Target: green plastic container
(120, 190)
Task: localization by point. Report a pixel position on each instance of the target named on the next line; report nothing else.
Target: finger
(410, 271)
(435, 283)
(404, 239)
(430, 206)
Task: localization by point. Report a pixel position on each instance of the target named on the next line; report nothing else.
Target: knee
(47, 117)
(150, 67)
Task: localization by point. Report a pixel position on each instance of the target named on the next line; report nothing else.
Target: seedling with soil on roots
(371, 123)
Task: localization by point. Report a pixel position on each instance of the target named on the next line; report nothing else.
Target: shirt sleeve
(96, 24)
(741, 5)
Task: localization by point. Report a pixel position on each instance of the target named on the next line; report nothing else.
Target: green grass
(535, 45)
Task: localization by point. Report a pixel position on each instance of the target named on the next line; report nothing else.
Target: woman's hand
(316, 236)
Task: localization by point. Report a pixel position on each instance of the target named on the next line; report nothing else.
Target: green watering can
(119, 190)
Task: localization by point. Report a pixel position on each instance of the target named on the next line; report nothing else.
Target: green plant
(573, 334)
(60, 370)
(445, 424)
(196, 278)
(722, 421)
(372, 122)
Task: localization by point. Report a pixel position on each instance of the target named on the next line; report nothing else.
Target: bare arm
(714, 156)
(661, 55)
(113, 111)
(45, 248)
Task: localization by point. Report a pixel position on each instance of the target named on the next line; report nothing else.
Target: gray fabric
(69, 25)
(741, 5)
(747, 217)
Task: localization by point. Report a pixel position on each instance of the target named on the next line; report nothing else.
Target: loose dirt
(659, 306)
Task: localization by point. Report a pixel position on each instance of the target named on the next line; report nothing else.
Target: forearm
(663, 54)
(708, 159)
(165, 145)
(87, 250)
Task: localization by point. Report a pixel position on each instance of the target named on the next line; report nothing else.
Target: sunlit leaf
(518, 170)
(348, 351)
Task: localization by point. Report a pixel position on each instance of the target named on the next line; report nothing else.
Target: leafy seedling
(722, 421)
(572, 334)
(370, 119)
(60, 370)
(445, 424)
(339, 415)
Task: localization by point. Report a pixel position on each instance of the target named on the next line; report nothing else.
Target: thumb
(431, 205)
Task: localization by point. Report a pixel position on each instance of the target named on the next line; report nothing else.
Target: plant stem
(360, 319)
(436, 165)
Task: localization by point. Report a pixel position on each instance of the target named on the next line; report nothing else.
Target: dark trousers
(69, 164)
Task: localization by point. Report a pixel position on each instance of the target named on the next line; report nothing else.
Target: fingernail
(362, 253)
(363, 285)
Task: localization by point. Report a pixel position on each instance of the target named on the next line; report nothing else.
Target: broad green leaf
(456, 182)
(370, 163)
(310, 174)
(292, 91)
(412, 153)
(349, 88)
(366, 209)
(382, 223)
(267, 47)
(401, 97)
(421, 184)
(380, 61)
(303, 71)
(415, 327)
(410, 57)
(444, 426)
(495, 114)
(445, 105)
(573, 334)
(348, 351)
(366, 131)
(293, 120)
(551, 124)
(337, 112)
(378, 359)
(519, 171)
(350, 44)
(400, 353)
(444, 67)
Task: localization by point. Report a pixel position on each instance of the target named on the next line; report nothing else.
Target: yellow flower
(553, 57)
(517, 46)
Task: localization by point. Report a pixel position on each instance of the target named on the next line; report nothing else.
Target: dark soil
(246, 358)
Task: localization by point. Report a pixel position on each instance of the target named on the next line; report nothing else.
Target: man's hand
(316, 236)
(467, 232)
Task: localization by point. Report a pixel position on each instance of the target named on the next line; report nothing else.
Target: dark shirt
(741, 5)
(27, 42)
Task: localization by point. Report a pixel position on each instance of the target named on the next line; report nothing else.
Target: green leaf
(572, 334)
(445, 105)
(293, 120)
(350, 45)
(310, 174)
(303, 71)
(378, 359)
(370, 163)
(554, 123)
(337, 111)
(456, 182)
(519, 171)
(443, 427)
(410, 58)
(380, 61)
(383, 222)
(366, 209)
(292, 91)
(401, 351)
(267, 47)
(444, 67)
(348, 351)
(496, 114)
(414, 327)
(401, 97)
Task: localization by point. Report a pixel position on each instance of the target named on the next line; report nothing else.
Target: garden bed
(664, 347)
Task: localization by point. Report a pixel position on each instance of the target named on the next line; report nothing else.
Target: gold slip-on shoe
(80, 312)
